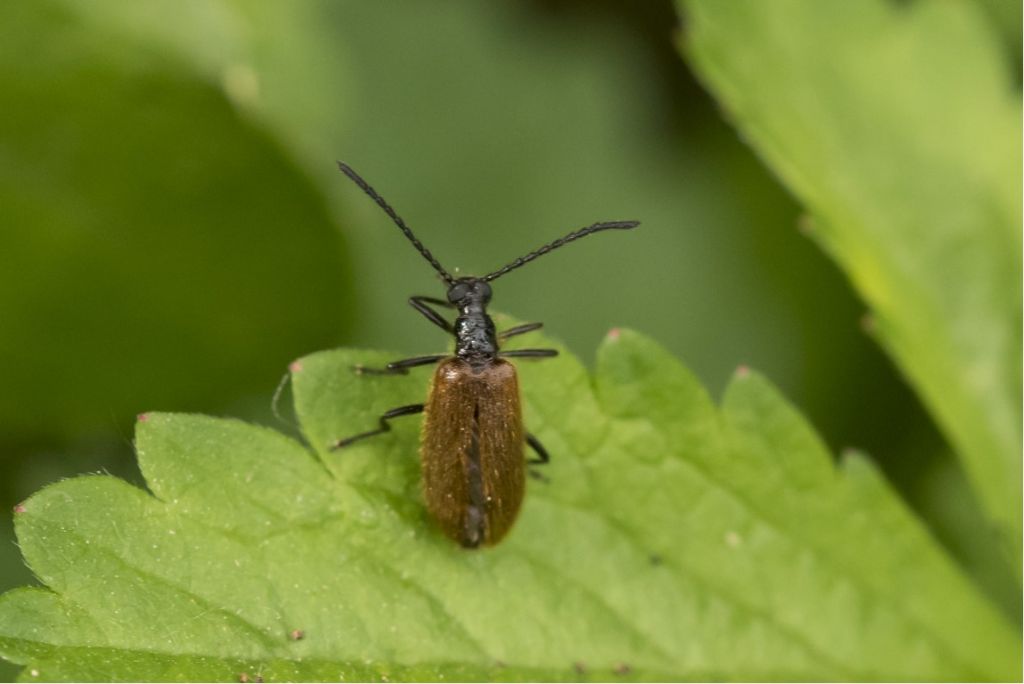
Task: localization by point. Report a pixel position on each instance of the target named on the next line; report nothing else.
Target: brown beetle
(472, 444)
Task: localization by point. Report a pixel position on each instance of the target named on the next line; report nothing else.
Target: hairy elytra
(472, 447)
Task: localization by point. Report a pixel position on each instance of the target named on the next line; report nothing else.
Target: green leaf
(895, 124)
(675, 540)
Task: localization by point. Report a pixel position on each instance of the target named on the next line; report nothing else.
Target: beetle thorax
(475, 339)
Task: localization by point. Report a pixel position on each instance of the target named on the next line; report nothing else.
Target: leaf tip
(142, 417)
(19, 508)
(614, 334)
(295, 366)
(742, 372)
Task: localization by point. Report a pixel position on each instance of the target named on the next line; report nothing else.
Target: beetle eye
(457, 292)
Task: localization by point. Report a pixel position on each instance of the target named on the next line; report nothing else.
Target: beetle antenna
(575, 235)
(368, 189)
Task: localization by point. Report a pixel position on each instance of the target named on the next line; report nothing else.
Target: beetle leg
(529, 353)
(542, 453)
(420, 302)
(384, 425)
(399, 367)
(519, 330)
(541, 459)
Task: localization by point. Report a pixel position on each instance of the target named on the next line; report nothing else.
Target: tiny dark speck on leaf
(847, 454)
(655, 559)
(805, 224)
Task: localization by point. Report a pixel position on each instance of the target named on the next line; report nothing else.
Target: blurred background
(173, 229)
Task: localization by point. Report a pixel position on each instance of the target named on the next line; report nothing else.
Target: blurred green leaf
(158, 249)
(675, 540)
(1007, 17)
(266, 57)
(943, 496)
(896, 125)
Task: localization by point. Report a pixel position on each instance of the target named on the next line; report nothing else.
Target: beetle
(472, 444)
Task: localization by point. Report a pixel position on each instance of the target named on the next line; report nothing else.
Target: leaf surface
(675, 540)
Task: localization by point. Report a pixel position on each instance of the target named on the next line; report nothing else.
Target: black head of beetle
(469, 292)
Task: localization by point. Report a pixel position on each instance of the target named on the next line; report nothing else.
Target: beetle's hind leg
(399, 367)
(542, 458)
(409, 410)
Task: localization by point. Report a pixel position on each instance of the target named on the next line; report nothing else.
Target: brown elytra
(472, 449)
